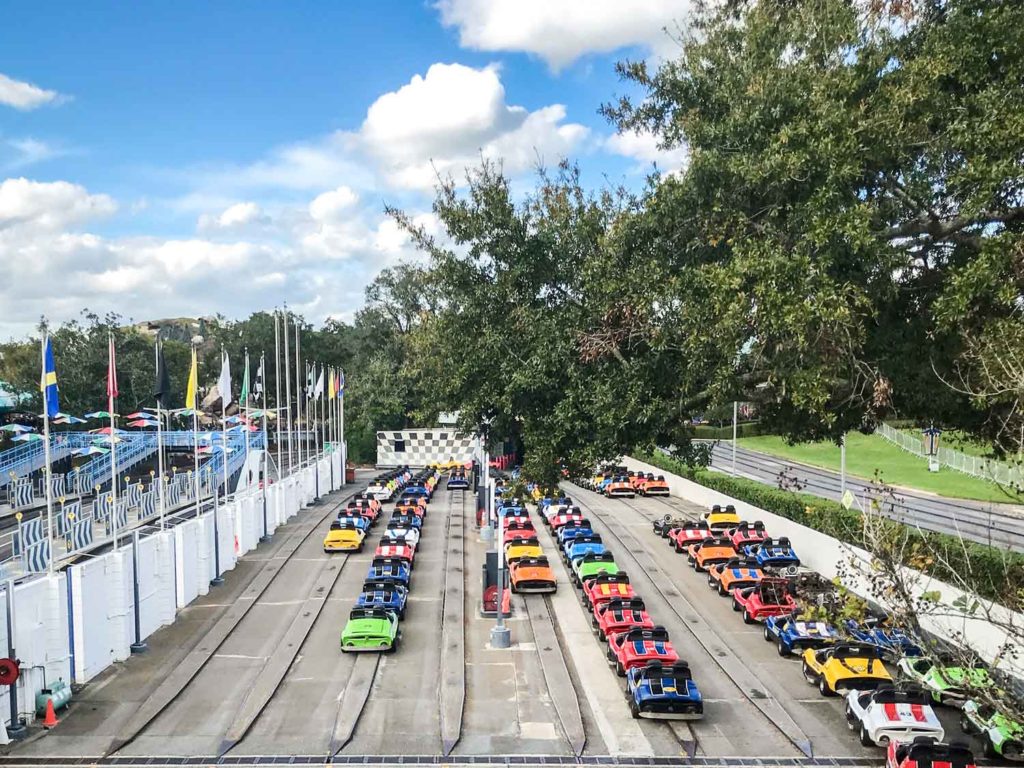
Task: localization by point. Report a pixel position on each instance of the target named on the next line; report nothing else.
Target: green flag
(245, 382)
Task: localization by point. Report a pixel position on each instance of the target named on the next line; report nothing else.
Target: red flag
(111, 371)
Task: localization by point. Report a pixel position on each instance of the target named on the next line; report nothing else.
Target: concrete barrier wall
(74, 625)
(156, 582)
(826, 555)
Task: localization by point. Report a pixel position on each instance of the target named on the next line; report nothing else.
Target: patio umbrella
(27, 437)
(106, 431)
(17, 429)
(102, 415)
(107, 440)
(92, 450)
(142, 423)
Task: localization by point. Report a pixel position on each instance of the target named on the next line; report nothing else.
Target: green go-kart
(948, 685)
(1003, 737)
(370, 629)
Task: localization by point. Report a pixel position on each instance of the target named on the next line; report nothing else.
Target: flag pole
(277, 388)
(266, 445)
(323, 415)
(195, 429)
(160, 440)
(245, 405)
(223, 423)
(48, 474)
(298, 391)
(288, 390)
(111, 386)
(341, 428)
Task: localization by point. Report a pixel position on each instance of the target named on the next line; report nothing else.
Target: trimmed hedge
(708, 432)
(997, 574)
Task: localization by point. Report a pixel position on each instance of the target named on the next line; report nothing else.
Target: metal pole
(316, 451)
(195, 439)
(277, 389)
(113, 438)
(735, 417)
(341, 437)
(298, 392)
(245, 405)
(160, 443)
(266, 447)
(842, 465)
(16, 730)
(139, 646)
(48, 472)
(288, 391)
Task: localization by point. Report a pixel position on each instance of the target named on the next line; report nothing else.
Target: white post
(245, 405)
(735, 417)
(344, 445)
(223, 430)
(298, 393)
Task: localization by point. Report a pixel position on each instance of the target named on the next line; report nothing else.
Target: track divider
(352, 701)
(749, 684)
(556, 674)
(277, 664)
(185, 671)
(453, 629)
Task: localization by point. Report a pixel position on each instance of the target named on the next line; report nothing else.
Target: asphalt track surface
(272, 683)
(999, 525)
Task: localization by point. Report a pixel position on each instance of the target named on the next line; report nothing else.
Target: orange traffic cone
(50, 720)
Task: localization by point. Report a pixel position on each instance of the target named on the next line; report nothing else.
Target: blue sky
(193, 157)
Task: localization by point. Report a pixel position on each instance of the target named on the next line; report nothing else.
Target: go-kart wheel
(809, 675)
(601, 634)
(698, 567)
(747, 618)
(865, 737)
(619, 669)
(634, 710)
(990, 750)
(736, 605)
(722, 591)
(767, 634)
(711, 580)
(966, 725)
(679, 550)
(783, 650)
(851, 719)
(823, 688)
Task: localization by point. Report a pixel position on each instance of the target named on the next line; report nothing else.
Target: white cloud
(48, 205)
(317, 256)
(643, 147)
(560, 31)
(24, 96)
(444, 121)
(237, 216)
(21, 152)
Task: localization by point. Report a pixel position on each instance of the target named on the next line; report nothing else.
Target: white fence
(1007, 475)
(73, 625)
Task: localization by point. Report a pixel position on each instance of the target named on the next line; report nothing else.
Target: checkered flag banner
(81, 534)
(422, 447)
(37, 556)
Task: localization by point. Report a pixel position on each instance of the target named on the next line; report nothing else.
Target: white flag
(224, 382)
(257, 385)
(318, 391)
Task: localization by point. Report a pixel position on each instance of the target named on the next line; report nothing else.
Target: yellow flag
(330, 385)
(193, 382)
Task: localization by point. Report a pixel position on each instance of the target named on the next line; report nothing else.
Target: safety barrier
(1007, 475)
(73, 625)
(828, 556)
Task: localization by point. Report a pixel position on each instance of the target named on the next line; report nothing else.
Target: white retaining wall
(74, 625)
(825, 555)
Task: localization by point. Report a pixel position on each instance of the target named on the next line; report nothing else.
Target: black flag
(162, 385)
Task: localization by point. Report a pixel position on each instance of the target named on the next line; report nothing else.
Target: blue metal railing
(29, 457)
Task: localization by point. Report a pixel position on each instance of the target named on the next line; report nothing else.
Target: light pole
(842, 464)
(735, 417)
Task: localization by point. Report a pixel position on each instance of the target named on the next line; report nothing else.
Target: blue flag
(49, 381)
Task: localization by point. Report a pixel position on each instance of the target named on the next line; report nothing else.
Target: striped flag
(48, 383)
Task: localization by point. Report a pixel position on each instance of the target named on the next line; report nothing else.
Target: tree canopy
(844, 243)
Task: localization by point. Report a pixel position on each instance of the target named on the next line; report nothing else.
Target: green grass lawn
(867, 453)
